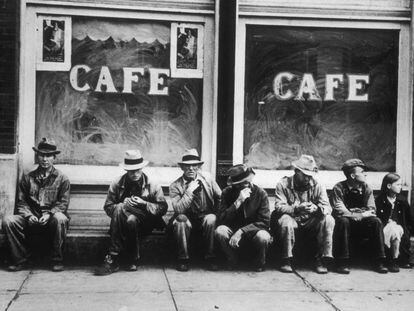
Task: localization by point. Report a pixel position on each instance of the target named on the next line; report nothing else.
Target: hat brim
(44, 151)
(306, 172)
(191, 162)
(247, 178)
(133, 167)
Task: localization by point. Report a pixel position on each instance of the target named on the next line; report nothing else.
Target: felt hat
(190, 156)
(133, 160)
(306, 164)
(46, 146)
(239, 173)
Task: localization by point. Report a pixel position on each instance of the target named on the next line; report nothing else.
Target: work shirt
(37, 195)
(346, 198)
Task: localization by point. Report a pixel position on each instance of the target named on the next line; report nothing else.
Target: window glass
(330, 93)
(96, 125)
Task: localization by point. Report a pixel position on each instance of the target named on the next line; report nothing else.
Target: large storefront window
(331, 93)
(94, 114)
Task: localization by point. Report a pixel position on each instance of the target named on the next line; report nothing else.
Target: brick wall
(8, 74)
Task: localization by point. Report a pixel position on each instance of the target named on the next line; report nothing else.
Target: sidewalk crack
(17, 295)
(169, 287)
(324, 295)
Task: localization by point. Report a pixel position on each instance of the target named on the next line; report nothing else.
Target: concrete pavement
(163, 288)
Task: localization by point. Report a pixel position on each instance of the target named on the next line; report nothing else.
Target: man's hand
(44, 219)
(33, 220)
(129, 202)
(368, 214)
(303, 207)
(138, 201)
(311, 208)
(193, 185)
(243, 195)
(235, 239)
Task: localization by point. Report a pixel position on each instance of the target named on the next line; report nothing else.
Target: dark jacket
(401, 214)
(151, 193)
(252, 216)
(36, 196)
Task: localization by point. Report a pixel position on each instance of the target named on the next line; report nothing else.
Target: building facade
(259, 82)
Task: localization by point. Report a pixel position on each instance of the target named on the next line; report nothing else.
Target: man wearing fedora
(243, 218)
(355, 213)
(302, 204)
(42, 203)
(195, 198)
(136, 206)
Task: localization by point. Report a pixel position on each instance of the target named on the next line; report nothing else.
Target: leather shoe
(259, 268)
(110, 265)
(393, 267)
(320, 268)
(212, 265)
(57, 267)
(342, 269)
(286, 266)
(17, 267)
(182, 266)
(380, 268)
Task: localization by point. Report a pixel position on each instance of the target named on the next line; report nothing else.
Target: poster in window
(54, 43)
(186, 50)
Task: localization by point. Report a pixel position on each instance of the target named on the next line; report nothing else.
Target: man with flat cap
(302, 204)
(135, 205)
(195, 198)
(355, 214)
(243, 218)
(42, 203)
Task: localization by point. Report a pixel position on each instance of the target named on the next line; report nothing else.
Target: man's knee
(287, 222)
(342, 222)
(263, 237)
(132, 220)
(9, 221)
(222, 232)
(181, 221)
(59, 218)
(329, 222)
(210, 220)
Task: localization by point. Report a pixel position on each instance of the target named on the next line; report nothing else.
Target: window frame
(268, 178)
(94, 174)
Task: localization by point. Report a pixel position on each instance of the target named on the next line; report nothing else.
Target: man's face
(242, 185)
(135, 175)
(45, 160)
(359, 174)
(190, 170)
(302, 179)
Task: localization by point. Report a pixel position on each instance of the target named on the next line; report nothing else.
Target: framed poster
(186, 54)
(54, 37)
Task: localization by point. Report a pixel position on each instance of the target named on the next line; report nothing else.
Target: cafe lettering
(284, 90)
(131, 75)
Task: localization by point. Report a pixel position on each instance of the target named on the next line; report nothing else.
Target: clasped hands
(134, 201)
(359, 214)
(306, 208)
(41, 221)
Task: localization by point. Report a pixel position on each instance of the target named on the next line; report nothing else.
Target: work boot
(380, 268)
(342, 266)
(286, 266)
(393, 267)
(182, 265)
(110, 265)
(57, 266)
(320, 268)
(17, 267)
(133, 266)
(212, 264)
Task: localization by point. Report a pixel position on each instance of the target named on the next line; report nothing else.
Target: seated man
(243, 217)
(354, 210)
(302, 204)
(42, 202)
(136, 206)
(195, 198)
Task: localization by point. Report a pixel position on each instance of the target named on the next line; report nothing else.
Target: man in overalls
(355, 213)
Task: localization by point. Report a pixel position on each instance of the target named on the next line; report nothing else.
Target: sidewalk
(163, 288)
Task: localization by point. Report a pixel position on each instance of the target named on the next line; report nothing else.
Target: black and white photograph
(207, 155)
(187, 50)
(54, 43)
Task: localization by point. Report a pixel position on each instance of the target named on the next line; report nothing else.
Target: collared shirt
(38, 195)
(151, 193)
(183, 201)
(345, 198)
(288, 198)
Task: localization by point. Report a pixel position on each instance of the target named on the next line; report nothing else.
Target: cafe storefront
(328, 78)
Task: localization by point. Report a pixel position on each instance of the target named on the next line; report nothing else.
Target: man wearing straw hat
(302, 204)
(195, 197)
(42, 203)
(136, 206)
(243, 218)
